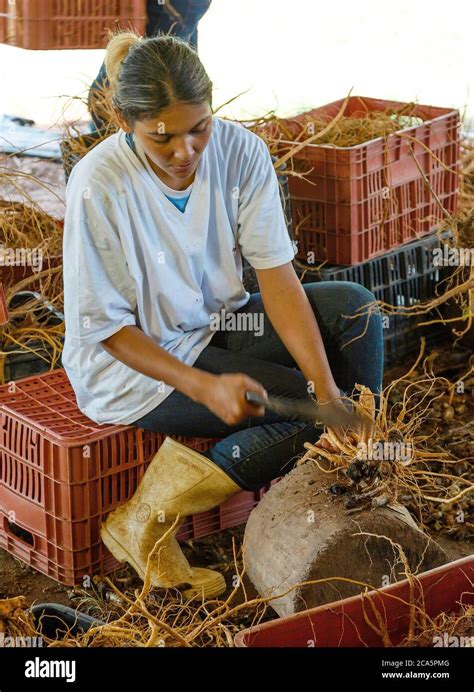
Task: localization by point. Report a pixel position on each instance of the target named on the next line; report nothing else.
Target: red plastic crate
(362, 201)
(3, 307)
(342, 623)
(67, 24)
(13, 274)
(61, 474)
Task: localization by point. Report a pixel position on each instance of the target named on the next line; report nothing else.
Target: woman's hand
(360, 424)
(224, 395)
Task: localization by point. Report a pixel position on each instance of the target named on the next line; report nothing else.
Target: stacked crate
(369, 213)
(61, 474)
(67, 24)
(21, 360)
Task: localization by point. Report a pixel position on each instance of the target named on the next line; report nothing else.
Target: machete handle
(255, 399)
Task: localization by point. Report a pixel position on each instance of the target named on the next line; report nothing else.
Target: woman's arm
(224, 395)
(133, 347)
(292, 317)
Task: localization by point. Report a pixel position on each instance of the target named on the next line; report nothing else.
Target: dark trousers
(260, 449)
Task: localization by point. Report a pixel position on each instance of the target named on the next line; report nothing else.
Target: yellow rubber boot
(178, 480)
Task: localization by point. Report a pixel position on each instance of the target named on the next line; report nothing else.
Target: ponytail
(147, 75)
(116, 52)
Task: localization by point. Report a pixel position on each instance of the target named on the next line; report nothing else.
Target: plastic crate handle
(7, 529)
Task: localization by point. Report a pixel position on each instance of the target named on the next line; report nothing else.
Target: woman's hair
(147, 75)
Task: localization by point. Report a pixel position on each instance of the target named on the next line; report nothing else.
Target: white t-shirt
(133, 258)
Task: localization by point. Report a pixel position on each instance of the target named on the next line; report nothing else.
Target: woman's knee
(366, 318)
(359, 295)
(343, 297)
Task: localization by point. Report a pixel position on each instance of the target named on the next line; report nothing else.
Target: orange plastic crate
(351, 622)
(13, 274)
(67, 24)
(61, 474)
(359, 202)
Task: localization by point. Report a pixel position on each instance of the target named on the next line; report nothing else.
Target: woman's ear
(120, 121)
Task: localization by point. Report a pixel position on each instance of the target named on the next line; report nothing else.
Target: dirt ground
(17, 579)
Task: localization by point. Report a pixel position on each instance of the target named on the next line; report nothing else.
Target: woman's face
(175, 140)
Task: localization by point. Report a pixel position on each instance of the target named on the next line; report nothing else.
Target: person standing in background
(179, 18)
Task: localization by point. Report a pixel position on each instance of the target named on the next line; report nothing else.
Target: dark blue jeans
(262, 448)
